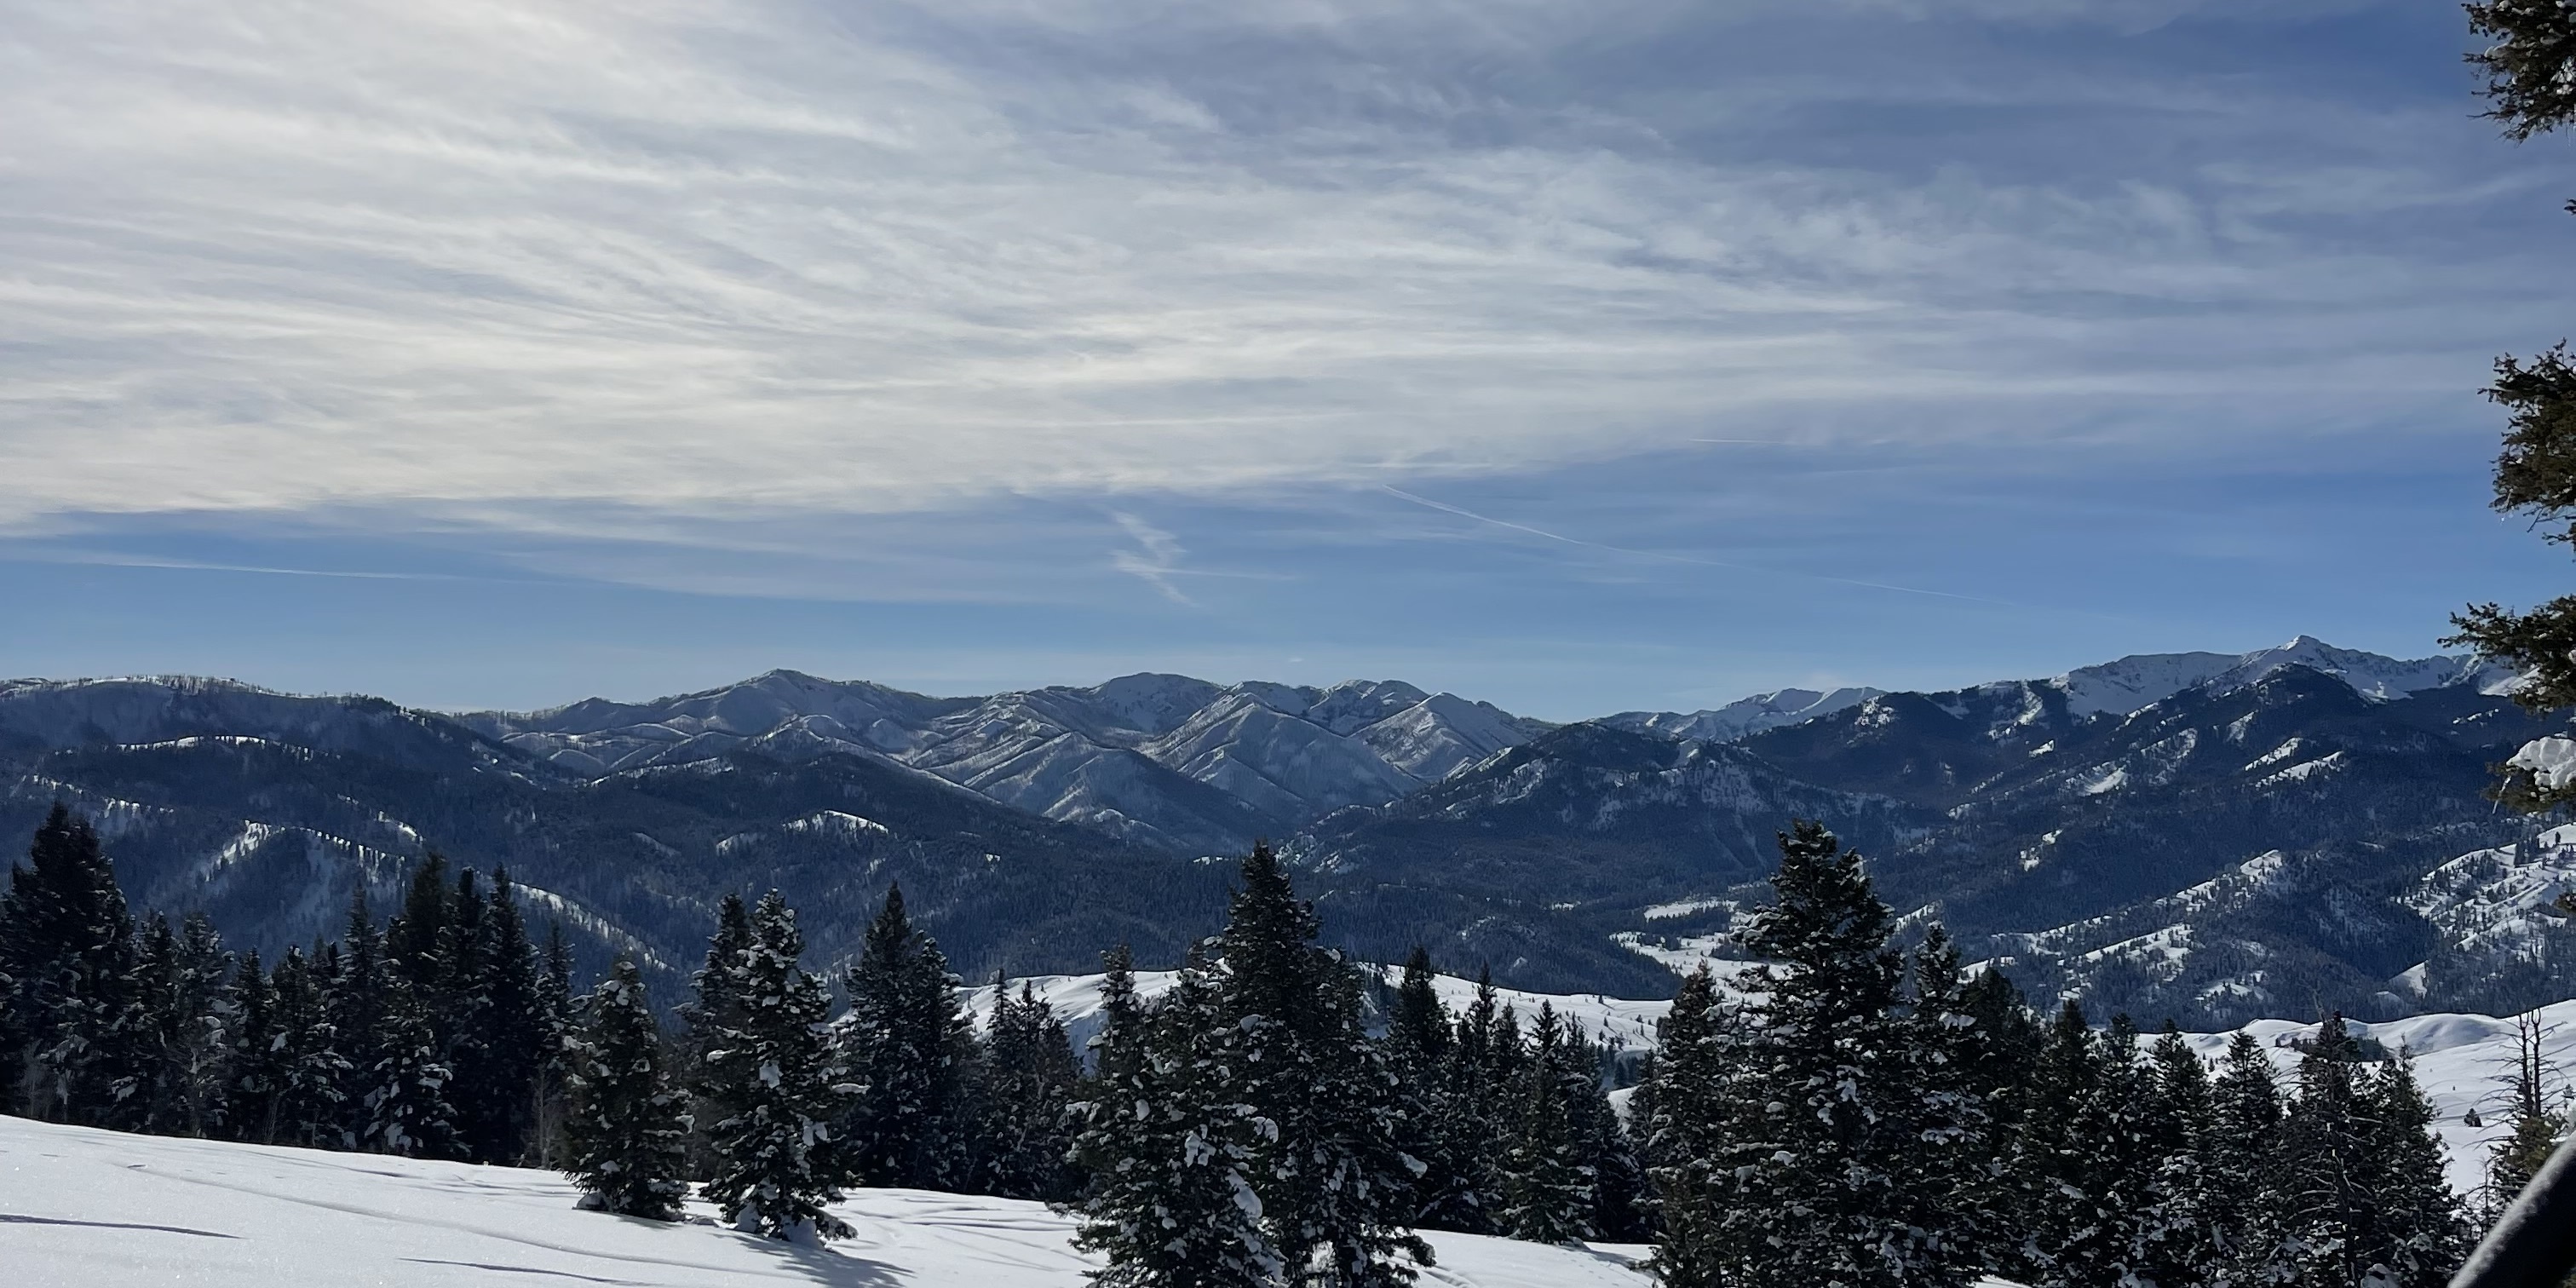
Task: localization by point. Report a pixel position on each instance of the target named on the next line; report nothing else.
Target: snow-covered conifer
(1023, 1081)
(1164, 1144)
(69, 955)
(907, 1046)
(778, 1163)
(626, 1133)
(1547, 1183)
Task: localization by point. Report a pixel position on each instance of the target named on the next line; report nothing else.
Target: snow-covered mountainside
(1190, 766)
(2131, 683)
(1743, 716)
(83, 1208)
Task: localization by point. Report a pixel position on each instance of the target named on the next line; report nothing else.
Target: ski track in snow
(81, 1208)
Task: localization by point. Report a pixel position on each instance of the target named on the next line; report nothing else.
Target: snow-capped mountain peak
(2132, 683)
(1744, 716)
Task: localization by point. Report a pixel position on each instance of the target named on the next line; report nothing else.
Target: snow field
(83, 1208)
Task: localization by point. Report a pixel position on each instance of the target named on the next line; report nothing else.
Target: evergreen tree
(2532, 1128)
(908, 1047)
(358, 994)
(1024, 1082)
(2419, 1237)
(2329, 1202)
(182, 1047)
(69, 955)
(256, 1066)
(1690, 1103)
(547, 1103)
(1335, 1190)
(2173, 1245)
(513, 1038)
(626, 1133)
(1547, 1185)
(407, 1108)
(1474, 1099)
(2248, 1221)
(714, 1008)
(1420, 1048)
(310, 1070)
(1955, 1040)
(2082, 1157)
(779, 1161)
(1163, 1140)
(1818, 1129)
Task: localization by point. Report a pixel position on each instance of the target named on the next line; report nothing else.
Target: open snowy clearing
(81, 1208)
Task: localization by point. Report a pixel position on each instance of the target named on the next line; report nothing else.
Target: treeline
(1854, 1114)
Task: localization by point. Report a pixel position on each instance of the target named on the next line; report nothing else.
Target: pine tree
(1024, 1081)
(547, 1104)
(2173, 1247)
(179, 1043)
(1818, 1128)
(2248, 1218)
(311, 1071)
(779, 1161)
(1163, 1139)
(407, 1108)
(1547, 1185)
(1474, 1099)
(2081, 1157)
(70, 958)
(358, 993)
(256, 1066)
(908, 1046)
(626, 1133)
(2329, 1201)
(513, 1037)
(1420, 1042)
(1954, 1040)
(714, 1008)
(1335, 1190)
(2419, 1237)
(1690, 1104)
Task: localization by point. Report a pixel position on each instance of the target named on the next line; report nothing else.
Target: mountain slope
(1163, 760)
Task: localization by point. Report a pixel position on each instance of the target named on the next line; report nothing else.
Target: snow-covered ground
(2461, 1060)
(90, 1209)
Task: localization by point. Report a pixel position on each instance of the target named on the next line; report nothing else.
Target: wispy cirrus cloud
(710, 256)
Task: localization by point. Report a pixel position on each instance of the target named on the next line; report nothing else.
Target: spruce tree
(1474, 1100)
(2330, 1204)
(626, 1132)
(1547, 1184)
(555, 1022)
(1820, 1126)
(1336, 1191)
(714, 1008)
(1165, 1144)
(513, 1037)
(181, 1044)
(1954, 1040)
(2173, 1244)
(407, 1108)
(1420, 1041)
(908, 1047)
(779, 1162)
(2419, 1238)
(312, 1074)
(358, 993)
(1024, 1081)
(256, 1067)
(2248, 1218)
(1691, 1102)
(69, 955)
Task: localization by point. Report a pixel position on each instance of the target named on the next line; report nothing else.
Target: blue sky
(1580, 356)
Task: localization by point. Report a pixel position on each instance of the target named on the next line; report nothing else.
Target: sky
(1579, 357)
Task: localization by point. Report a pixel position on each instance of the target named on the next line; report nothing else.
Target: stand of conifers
(1851, 1111)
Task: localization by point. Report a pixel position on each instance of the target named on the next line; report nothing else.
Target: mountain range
(2214, 836)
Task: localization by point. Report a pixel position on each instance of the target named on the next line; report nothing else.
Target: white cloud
(530, 261)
